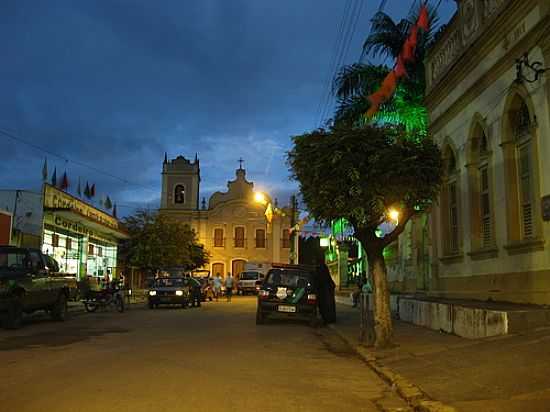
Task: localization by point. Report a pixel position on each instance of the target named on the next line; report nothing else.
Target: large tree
(157, 241)
(360, 174)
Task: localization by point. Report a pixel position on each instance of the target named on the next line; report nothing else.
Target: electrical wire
(76, 162)
(348, 36)
(337, 44)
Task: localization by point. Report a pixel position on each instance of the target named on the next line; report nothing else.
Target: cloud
(114, 84)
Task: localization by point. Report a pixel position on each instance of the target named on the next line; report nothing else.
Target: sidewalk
(505, 373)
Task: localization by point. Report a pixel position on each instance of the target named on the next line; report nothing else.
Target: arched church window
(179, 194)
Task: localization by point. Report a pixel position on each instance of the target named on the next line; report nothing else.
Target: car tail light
(263, 294)
(311, 298)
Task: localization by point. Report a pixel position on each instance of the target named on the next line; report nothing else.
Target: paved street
(209, 359)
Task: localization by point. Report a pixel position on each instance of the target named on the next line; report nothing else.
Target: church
(233, 227)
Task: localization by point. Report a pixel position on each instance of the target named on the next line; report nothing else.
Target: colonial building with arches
(489, 107)
(231, 225)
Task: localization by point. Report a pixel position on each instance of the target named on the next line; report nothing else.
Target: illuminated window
(218, 237)
(239, 236)
(260, 238)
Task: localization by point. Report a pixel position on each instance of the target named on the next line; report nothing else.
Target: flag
(45, 170)
(92, 190)
(269, 213)
(54, 177)
(423, 18)
(87, 190)
(64, 182)
(114, 211)
(79, 189)
(108, 204)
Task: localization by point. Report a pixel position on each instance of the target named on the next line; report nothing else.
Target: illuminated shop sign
(56, 199)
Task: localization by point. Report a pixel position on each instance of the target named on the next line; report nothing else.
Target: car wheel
(90, 307)
(14, 318)
(260, 317)
(59, 309)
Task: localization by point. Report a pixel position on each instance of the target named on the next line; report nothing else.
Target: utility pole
(295, 237)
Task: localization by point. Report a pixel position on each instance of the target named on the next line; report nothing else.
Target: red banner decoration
(407, 55)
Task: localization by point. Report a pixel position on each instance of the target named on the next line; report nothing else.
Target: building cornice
(504, 64)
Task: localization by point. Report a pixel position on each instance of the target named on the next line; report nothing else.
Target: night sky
(114, 84)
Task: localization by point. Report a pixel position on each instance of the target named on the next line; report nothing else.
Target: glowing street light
(393, 214)
(259, 197)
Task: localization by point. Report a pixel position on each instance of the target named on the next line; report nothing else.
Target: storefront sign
(73, 227)
(56, 199)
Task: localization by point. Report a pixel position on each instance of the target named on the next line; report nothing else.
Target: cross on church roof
(241, 163)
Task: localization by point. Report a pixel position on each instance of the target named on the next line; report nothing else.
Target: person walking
(217, 282)
(327, 304)
(229, 287)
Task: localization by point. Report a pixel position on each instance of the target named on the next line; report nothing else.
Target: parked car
(169, 291)
(27, 284)
(288, 291)
(247, 281)
(70, 278)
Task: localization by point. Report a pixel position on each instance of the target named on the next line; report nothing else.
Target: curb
(411, 393)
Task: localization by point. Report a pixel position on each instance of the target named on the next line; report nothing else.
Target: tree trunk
(382, 314)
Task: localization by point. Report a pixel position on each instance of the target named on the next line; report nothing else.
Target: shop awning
(87, 221)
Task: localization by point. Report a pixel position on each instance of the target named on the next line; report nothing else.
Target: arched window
(260, 238)
(179, 194)
(524, 156)
(450, 204)
(480, 187)
(520, 165)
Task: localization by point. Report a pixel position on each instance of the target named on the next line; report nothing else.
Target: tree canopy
(359, 173)
(157, 241)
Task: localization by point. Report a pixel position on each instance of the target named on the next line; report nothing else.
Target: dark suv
(288, 291)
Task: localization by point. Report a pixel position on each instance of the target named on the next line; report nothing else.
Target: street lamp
(259, 197)
(393, 214)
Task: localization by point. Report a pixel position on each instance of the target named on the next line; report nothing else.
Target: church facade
(232, 226)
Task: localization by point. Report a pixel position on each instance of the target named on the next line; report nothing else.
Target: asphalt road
(210, 359)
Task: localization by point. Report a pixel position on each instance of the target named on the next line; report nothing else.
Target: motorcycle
(111, 296)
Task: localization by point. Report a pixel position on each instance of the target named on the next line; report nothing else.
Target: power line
(67, 160)
(348, 36)
(327, 89)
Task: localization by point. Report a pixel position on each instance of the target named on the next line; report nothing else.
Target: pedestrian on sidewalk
(217, 282)
(358, 289)
(326, 300)
(229, 287)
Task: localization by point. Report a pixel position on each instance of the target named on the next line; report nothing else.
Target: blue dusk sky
(103, 88)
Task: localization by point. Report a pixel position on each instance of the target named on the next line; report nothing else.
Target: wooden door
(217, 268)
(238, 267)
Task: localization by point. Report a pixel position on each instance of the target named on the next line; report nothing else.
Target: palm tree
(354, 83)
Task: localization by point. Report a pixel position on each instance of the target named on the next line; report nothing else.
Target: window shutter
(526, 196)
(453, 218)
(485, 208)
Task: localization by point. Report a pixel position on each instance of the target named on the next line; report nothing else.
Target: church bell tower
(180, 184)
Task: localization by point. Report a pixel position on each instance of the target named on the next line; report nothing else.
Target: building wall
(26, 208)
(472, 81)
(228, 210)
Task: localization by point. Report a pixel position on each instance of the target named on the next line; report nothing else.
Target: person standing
(229, 287)
(217, 281)
(327, 303)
